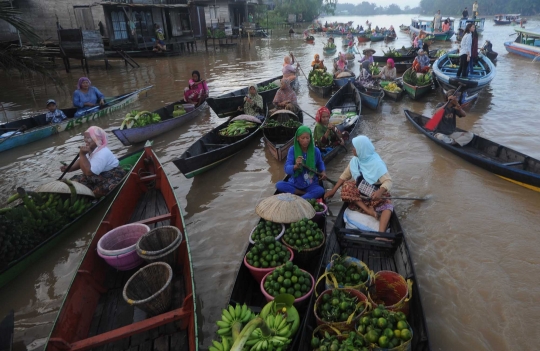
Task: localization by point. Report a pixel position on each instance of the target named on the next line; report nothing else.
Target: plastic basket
(277, 237)
(343, 326)
(121, 240)
(297, 301)
(259, 273)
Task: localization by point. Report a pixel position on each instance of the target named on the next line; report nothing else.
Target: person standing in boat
(437, 21)
(86, 97)
(475, 9)
(55, 115)
(446, 130)
(253, 103)
(465, 13)
(465, 52)
(325, 133)
(288, 70)
(197, 91)
(303, 182)
(99, 166)
(446, 26)
(366, 182)
(474, 49)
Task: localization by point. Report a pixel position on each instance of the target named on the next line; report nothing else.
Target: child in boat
(303, 182)
(325, 133)
(54, 115)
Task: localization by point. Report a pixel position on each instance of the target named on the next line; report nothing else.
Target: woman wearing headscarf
(325, 133)
(86, 97)
(365, 79)
(340, 65)
(285, 97)
(99, 166)
(253, 102)
(388, 72)
(368, 56)
(197, 91)
(317, 63)
(303, 182)
(289, 71)
(366, 182)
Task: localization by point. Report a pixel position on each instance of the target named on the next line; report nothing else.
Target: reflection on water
(472, 243)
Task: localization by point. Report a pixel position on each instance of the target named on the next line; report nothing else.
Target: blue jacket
(303, 180)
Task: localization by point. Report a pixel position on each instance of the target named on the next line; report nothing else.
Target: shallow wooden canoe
(209, 151)
(415, 92)
(329, 51)
(94, 312)
(15, 268)
(394, 95)
(348, 100)
(371, 98)
(364, 38)
(339, 82)
(7, 326)
(503, 161)
(392, 255)
(322, 91)
(37, 127)
(168, 122)
(279, 142)
(226, 105)
(377, 37)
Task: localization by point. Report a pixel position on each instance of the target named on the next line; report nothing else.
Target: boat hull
(339, 82)
(372, 99)
(329, 51)
(363, 39)
(376, 38)
(141, 134)
(488, 155)
(16, 268)
(43, 130)
(528, 51)
(322, 91)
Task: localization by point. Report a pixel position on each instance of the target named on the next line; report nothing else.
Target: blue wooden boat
(36, 127)
(426, 24)
(446, 67)
(329, 51)
(371, 98)
(527, 43)
(377, 37)
(168, 122)
(339, 82)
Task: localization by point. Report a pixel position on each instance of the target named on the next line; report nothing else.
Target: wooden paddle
(21, 129)
(319, 174)
(298, 63)
(436, 119)
(68, 167)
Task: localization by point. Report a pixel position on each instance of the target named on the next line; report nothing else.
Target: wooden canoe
(15, 268)
(503, 161)
(392, 255)
(371, 98)
(395, 95)
(37, 127)
(322, 91)
(415, 92)
(94, 312)
(348, 100)
(339, 82)
(168, 122)
(280, 139)
(226, 105)
(7, 326)
(209, 151)
(329, 51)
(364, 38)
(377, 37)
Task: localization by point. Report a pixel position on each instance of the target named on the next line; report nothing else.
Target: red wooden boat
(94, 312)
(363, 38)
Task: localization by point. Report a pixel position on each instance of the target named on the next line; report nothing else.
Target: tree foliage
(485, 7)
(370, 8)
(308, 8)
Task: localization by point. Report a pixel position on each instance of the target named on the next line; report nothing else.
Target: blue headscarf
(367, 162)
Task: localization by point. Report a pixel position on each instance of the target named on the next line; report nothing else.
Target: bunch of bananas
(136, 119)
(440, 53)
(232, 318)
(277, 340)
(393, 88)
(238, 127)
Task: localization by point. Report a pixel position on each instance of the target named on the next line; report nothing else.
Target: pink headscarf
(342, 62)
(391, 62)
(81, 80)
(99, 137)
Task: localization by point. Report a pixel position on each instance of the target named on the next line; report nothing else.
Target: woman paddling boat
(325, 133)
(197, 91)
(86, 97)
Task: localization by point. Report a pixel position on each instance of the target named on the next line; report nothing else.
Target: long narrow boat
(322, 91)
(281, 139)
(527, 43)
(415, 92)
(168, 122)
(380, 252)
(426, 24)
(209, 151)
(347, 99)
(15, 268)
(505, 162)
(339, 82)
(7, 326)
(406, 55)
(227, 105)
(329, 51)
(364, 38)
(94, 313)
(446, 67)
(36, 128)
(371, 97)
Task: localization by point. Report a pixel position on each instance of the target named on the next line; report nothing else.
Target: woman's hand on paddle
(378, 194)
(329, 194)
(322, 175)
(63, 168)
(102, 102)
(298, 163)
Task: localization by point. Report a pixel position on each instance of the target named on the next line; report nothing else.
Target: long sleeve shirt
(55, 117)
(303, 180)
(466, 44)
(384, 181)
(93, 96)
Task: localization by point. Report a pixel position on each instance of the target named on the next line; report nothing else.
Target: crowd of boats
(96, 311)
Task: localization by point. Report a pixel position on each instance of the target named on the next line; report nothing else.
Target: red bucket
(259, 273)
(392, 291)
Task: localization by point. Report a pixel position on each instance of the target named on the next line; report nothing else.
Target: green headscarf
(310, 161)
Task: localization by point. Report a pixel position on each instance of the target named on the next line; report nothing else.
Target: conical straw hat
(62, 188)
(284, 208)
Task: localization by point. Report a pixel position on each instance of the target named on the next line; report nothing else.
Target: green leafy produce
(384, 329)
(266, 229)
(268, 253)
(291, 123)
(392, 53)
(348, 275)
(320, 78)
(238, 127)
(272, 123)
(374, 69)
(304, 234)
(135, 119)
(316, 205)
(417, 79)
(179, 110)
(338, 305)
(440, 53)
(354, 341)
(288, 279)
(267, 87)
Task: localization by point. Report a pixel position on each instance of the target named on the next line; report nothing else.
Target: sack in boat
(247, 118)
(344, 75)
(361, 221)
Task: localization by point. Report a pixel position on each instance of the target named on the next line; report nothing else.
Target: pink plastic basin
(121, 240)
(123, 262)
(296, 301)
(259, 273)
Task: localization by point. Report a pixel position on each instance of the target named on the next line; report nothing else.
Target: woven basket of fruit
(340, 308)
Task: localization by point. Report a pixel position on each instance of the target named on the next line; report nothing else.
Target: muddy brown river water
(474, 244)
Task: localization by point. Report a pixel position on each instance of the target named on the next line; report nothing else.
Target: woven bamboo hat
(62, 188)
(284, 208)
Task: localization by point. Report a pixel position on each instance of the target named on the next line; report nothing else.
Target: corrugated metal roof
(529, 31)
(119, 4)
